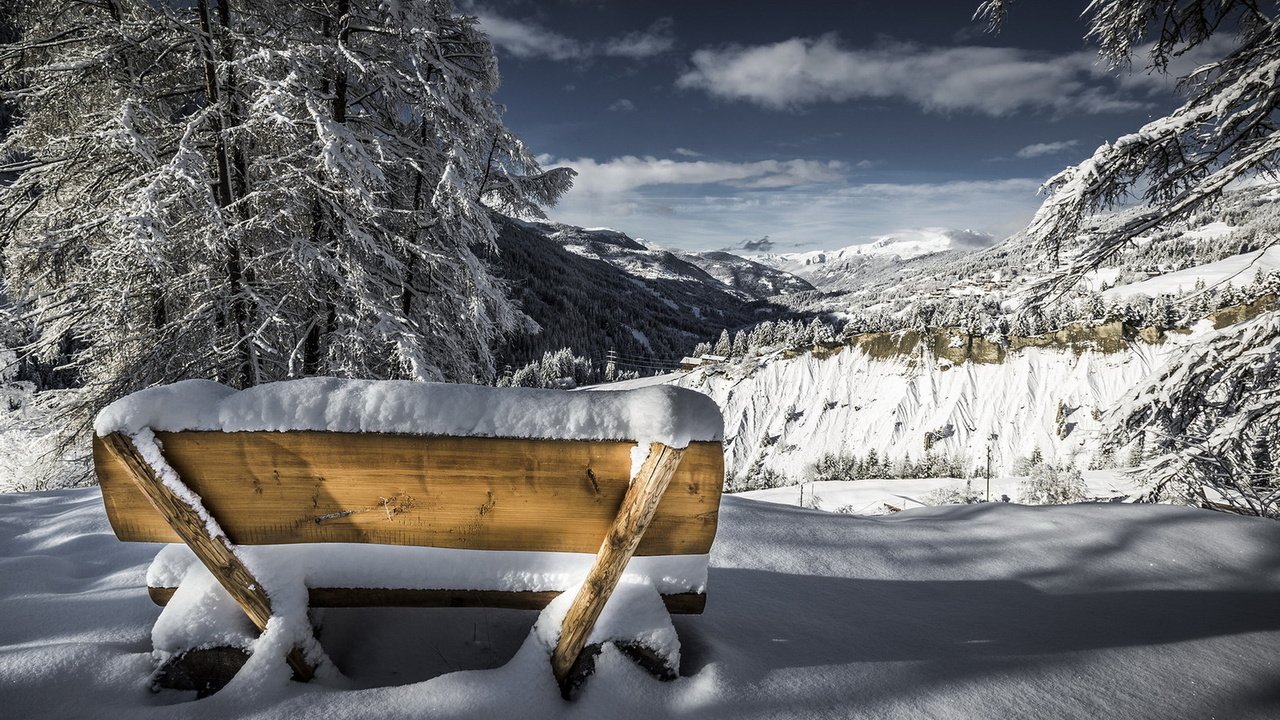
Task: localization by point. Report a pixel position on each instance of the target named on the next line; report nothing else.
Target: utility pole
(990, 440)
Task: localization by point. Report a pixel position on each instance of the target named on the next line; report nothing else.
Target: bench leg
(197, 528)
(638, 508)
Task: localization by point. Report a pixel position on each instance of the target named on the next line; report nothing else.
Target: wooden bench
(479, 493)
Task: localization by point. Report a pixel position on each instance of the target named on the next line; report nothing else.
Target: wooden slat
(637, 511)
(214, 551)
(479, 493)
(326, 597)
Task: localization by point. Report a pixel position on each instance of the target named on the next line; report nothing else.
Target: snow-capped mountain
(651, 262)
(828, 268)
(749, 276)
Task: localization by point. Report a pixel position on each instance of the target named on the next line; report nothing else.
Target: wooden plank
(634, 517)
(480, 493)
(216, 553)
(327, 597)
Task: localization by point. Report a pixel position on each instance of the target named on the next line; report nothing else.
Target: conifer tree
(248, 190)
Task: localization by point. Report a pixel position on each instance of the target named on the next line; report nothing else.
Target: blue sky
(706, 125)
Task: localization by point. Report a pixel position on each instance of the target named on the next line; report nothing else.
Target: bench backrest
(449, 492)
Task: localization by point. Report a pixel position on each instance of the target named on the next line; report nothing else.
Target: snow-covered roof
(670, 415)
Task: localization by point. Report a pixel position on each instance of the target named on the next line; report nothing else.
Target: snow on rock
(1089, 611)
(394, 566)
(668, 415)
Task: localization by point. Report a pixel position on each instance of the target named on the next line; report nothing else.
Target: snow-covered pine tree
(247, 190)
(1224, 131)
(723, 345)
(1207, 409)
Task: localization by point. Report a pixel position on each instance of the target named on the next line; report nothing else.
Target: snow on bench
(495, 497)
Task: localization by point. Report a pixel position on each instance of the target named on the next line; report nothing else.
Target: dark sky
(702, 124)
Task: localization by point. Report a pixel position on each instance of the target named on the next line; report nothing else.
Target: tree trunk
(246, 374)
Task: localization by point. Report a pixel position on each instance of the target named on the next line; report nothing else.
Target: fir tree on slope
(248, 190)
(1207, 411)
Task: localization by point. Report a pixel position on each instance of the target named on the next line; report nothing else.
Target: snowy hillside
(752, 279)
(942, 277)
(903, 245)
(906, 396)
(940, 361)
(1235, 271)
(991, 611)
(597, 290)
(838, 269)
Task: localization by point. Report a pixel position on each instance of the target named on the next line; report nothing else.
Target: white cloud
(704, 205)
(989, 80)
(622, 105)
(527, 39)
(1036, 150)
(626, 173)
(658, 39)
(686, 152)
(809, 217)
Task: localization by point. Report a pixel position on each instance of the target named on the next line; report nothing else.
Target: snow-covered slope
(748, 277)
(598, 290)
(992, 611)
(825, 266)
(1236, 271)
(783, 412)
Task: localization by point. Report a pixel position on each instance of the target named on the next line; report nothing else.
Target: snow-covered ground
(985, 611)
(881, 497)
(1237, 270)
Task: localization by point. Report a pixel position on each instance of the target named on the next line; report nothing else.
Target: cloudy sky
(818, 124)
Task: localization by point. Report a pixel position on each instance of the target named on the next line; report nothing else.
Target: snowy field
(1237, 270)
(985, 611)
(880, 497)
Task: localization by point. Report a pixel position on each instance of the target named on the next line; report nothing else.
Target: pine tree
(723, 346)
(250, 190)
(1225, 130)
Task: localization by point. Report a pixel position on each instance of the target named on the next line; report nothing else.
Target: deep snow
(988, 611)
(669, 415)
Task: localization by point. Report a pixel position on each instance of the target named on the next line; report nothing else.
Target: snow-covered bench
(498, 497)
